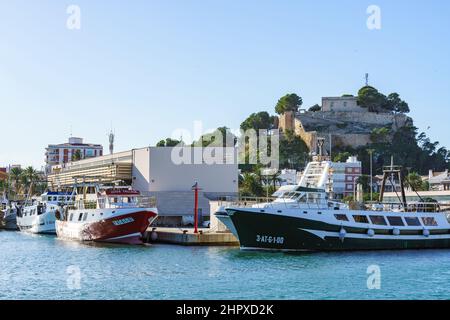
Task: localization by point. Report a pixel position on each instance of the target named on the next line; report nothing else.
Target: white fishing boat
(305, 219)
(8, 214)
(117, 215)
(39, 215)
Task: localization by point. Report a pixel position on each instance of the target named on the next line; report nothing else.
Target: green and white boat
(303, 219)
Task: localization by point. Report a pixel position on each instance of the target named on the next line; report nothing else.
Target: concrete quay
(187, 237)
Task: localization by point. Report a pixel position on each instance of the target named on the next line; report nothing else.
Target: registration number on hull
(123, 221)
(269, 239)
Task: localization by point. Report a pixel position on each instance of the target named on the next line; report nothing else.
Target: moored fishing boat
(39, 216)
(117, 215)
(9, 214)
(305, 220)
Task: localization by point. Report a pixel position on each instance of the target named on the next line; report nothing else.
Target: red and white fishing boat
(117, 215)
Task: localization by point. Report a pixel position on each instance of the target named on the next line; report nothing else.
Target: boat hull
(10, 222)
(265, 231)
(123, 228)
(38, 224)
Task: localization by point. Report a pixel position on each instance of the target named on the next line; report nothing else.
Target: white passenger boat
(117, 215)
(39, 215)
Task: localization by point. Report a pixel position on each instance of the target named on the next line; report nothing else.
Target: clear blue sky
(150, 67)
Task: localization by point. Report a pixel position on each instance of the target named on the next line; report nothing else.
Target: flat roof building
(74, 149)
(164, 172)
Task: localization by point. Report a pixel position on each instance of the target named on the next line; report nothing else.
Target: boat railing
(254, 202)
(410, 207)
(146, 202)
(82, 204)
(102, 203)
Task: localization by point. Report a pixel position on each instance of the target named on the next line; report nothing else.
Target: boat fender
(396, 231)
(342, 234)
(153, 236)
(370, 232)
(426, 232)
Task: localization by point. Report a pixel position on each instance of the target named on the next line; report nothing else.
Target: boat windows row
(391, 220)
(81, 217)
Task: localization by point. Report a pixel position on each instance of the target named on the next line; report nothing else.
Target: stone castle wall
(347, 128)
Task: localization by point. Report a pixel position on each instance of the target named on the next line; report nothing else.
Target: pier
(187, 237)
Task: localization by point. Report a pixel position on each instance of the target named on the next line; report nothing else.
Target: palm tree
(30, 176)
(15, 176)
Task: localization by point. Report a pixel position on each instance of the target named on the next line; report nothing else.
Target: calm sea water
(44, 267)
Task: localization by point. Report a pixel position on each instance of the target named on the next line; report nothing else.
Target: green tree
(364, 180)
(289, 102)
(250, 185)
(380, 135)
(414, 181)
(293, 151)
(221, 137)
(168, 143)
(259, 121)
(341, 156)
(315, 108)
(76, 156)
(370, 98)
(396, 105)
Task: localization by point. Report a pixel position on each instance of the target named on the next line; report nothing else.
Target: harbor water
(44, 267)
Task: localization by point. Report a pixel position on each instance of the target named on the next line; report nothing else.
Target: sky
(147, 68)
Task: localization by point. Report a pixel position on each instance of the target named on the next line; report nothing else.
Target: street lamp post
(371, 173)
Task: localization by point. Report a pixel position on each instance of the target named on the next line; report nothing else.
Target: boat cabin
(57, 197)
(118, 198)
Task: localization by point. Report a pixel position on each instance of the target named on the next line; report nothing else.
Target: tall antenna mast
(367, 79)
(111, 142)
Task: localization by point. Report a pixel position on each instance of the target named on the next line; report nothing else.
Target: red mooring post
(195, 188)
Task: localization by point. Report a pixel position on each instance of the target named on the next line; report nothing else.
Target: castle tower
(286, 121)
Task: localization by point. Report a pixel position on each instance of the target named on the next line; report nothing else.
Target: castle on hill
(341, 122)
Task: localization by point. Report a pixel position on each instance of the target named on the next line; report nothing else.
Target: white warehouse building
(164, 172)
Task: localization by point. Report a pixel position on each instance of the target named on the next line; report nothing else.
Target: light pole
(371, 173)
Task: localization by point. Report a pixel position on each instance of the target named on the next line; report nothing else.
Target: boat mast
(389, 172)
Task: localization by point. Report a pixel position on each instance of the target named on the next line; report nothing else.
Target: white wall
(340, 104)
(155, 171)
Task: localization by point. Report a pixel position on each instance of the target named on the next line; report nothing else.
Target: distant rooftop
(73, 141)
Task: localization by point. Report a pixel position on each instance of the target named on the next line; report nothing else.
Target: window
(71, 217)
(341, 217)
(80, 217)
(429, 221)
(378, 220)
(345, 103)
(85, 216)
(360, 219)
(412, 221)
(395, 221)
